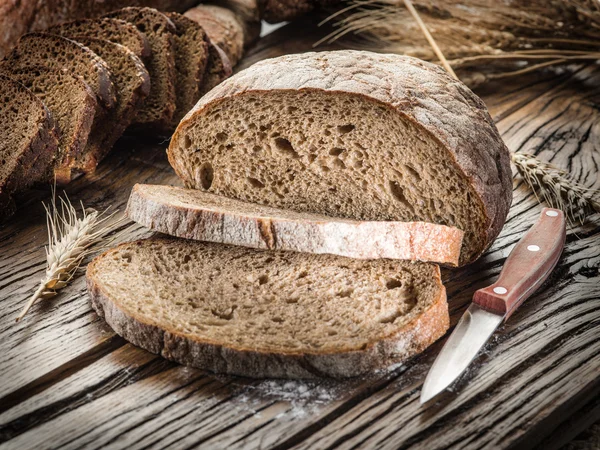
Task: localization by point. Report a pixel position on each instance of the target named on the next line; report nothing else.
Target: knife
(525, 269)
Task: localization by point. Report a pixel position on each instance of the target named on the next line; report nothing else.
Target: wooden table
(66, 380)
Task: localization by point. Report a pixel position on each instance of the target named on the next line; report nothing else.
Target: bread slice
(191, 56)
(72, 105)
(28, 141)
(218, 68)
(267, 314)
(60, 53)
(114, 30)
(194, 214)
(159, 106)
(132, 83)
(351, 134)
(223, 28)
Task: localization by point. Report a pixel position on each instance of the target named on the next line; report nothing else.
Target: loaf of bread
(354, 135)
(28, 141)
(264, 313)
(194, 214)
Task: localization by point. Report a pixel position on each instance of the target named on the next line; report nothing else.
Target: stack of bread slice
(322, 191)
(96, 77)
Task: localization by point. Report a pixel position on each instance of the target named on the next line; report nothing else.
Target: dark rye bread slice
(351, 134)
(159, 106)
(72, 105)
(191, 56)
(194, 214)
(28, 141)
(218, 68)
(114, 30)
(132, 84)
(222, 27)
(267, 314)
(57, 52)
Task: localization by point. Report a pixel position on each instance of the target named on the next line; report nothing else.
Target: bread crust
(412, 339)
(204, 215)
(420, 92)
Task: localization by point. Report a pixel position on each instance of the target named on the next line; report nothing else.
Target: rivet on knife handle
(527, 266)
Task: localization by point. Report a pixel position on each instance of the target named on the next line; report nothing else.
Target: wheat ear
(556, 188)
(69, 241)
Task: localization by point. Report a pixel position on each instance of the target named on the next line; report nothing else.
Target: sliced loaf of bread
(223, 29)
(114, 30)
(194, 214)
(57, 52)
(28, 141)
(191, 56)
(267, 314)
(351, 134)
(159, 106)
(72, 104)
(132, 84)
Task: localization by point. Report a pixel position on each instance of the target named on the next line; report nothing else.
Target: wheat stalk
(556, 188)
(69, 241)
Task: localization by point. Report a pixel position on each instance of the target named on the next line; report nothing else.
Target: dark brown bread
(57, 52)
(28, 141)
(20, 17)
(159, 106)
(199, 215)
(222, 27)
(218, 68)
(265, 313)
(351, 134)
(114, 30)
(249, 15)
(72, 104)
(191, 56)
(132, 84)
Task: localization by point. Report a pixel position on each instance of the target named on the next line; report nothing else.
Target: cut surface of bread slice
(72, 104)
(114, 30)
(194, 214)
(267, 314)
(132, 84)
(191, 56)
(57, 52)
(159, 106)
(351, 134)
(223, 29)
(218, 68)
(28, 141)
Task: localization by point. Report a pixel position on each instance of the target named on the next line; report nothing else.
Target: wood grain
(69, 382)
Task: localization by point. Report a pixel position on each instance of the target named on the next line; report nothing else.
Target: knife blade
(526, 268)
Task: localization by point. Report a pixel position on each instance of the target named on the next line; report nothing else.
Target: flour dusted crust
(194, 214)
(421, 92)
(406, 341)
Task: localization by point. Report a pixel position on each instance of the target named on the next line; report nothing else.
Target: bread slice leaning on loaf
(264, 313)
(351, 134)
(194, 214)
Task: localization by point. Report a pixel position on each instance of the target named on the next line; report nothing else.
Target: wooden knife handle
(527, 266)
